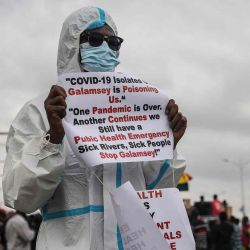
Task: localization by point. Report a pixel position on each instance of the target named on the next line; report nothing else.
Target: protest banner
(114, 117)
(166, 208)
(138, 230)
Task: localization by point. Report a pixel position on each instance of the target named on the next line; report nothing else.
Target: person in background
(245, 233)
(236, 237)
(18, 234)
(212, 224)
(222, 234)
(200, 232)
(203, 207)
(216, 206)
(224, 206)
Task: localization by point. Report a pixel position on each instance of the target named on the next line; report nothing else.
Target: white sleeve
(32, 167)
(164, 174)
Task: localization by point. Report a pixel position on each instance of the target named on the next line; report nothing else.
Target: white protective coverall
(77, 210)
(18, 233)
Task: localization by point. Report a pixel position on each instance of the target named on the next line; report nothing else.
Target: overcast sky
(197, 51)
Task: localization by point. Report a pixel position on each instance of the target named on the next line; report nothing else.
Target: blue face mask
(98, 59)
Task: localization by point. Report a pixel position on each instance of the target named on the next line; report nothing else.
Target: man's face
(99, 49)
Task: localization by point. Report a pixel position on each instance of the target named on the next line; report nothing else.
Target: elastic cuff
(48, 146)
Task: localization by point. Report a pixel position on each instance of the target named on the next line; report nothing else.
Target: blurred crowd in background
(215, 228)
(213, 225)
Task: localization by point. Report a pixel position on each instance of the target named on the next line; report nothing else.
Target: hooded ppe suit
(77, 210)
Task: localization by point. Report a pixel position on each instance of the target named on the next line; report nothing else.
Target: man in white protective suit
(42, 172)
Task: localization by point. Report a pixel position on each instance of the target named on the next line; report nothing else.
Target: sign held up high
(115, 117)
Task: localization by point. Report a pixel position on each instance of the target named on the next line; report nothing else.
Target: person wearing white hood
(41, 170)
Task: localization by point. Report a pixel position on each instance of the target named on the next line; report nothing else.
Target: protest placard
(166, 208)
(138, 230)
(114, 117)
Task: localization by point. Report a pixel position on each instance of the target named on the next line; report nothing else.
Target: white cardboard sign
(167, 210)
(115, 117)
(138, 230)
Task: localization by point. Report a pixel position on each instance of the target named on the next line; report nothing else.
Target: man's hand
(177, 121)
(55, 107)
